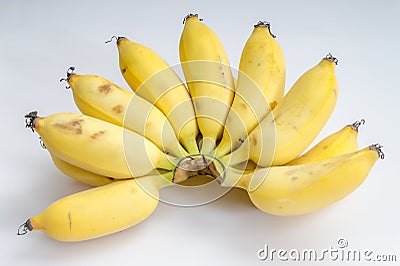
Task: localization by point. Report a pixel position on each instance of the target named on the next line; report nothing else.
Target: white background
(39, 40)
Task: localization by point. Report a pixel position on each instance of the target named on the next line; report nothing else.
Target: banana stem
(207, 145)
(190, 145)
(183, 152)
(238, 156)
(237, 178)
(169, 163)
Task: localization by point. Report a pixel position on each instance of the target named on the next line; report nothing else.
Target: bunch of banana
(244, 133)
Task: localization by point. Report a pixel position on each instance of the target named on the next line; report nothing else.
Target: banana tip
(378, 148)
(117, 39)
(70, 73)
(25, 228)
(331, 58)
(190, 15)
(30, 120)
(265, 24)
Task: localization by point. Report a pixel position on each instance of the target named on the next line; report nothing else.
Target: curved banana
(341, 142)
(98, 146)
(80, 174)
(209, 78)
(98, 97)
(300, 189)
(260, 86)
(294, 123)
(99, 211)
(154, 80)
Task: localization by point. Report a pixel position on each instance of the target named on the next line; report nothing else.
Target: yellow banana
(209, 78)
(300, 189)
(260, 86)
(99, 211)
(98, 146)
(154, 80)
(287, 131)
(341, 142)
(80, 174)
(98, 97)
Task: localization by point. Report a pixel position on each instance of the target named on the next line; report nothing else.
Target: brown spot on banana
(74, 126)
(253, 141)
(243, 105)
(118, 109)
(98, 134)
(105, 89)
(70, 221)
(123, 70)
(272, 105)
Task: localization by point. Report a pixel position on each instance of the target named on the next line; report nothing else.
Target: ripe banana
(209, 78)
(131, 145)
(80, 174)
(154, 80)
(98, 146)
(260, 87)
(341, 142)
(98, 97)
(99, 211)
(286, 132)
(300, 189)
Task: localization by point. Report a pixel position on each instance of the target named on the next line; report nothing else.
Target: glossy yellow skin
(154, 80)
(294, 123)
(80, 174)
(98, 97)
(299, 189)
(100, 147)
(341, 142)
(260, 87)
(99, 211)
(208, 74)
